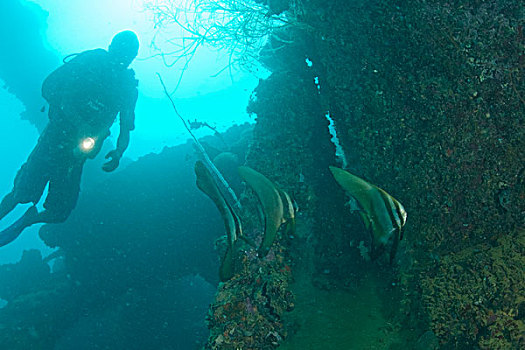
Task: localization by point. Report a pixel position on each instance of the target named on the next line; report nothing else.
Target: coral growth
(247, 311)
(475, 296)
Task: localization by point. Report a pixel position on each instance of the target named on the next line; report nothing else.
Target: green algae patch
(339, 319)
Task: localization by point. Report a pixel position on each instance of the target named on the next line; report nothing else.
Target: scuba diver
(85, 95)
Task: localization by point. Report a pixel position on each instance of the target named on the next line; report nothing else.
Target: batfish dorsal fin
(232, 223)
(271, 203)
(382, 213)
(366, 220)
(358, 188)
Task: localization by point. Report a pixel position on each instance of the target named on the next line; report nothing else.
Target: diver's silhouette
(85, 95)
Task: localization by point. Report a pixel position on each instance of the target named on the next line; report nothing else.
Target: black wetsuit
(85, 95)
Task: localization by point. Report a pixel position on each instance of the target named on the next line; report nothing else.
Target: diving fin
(12, 232)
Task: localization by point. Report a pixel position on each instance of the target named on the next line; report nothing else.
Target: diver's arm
(115, 155)
(127, 124)
(122, 141)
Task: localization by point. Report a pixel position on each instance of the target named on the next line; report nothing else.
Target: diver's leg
(63, 194)
(30, 182)
(62, 198)
(8, 203)
(12, 232)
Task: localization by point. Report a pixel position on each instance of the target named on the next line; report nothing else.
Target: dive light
(87, 144)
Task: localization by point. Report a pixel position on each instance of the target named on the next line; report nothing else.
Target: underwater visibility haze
(262, 174)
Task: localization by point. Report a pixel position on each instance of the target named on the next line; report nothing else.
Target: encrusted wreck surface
(429, 102)
(247, 311)
(475, 296)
